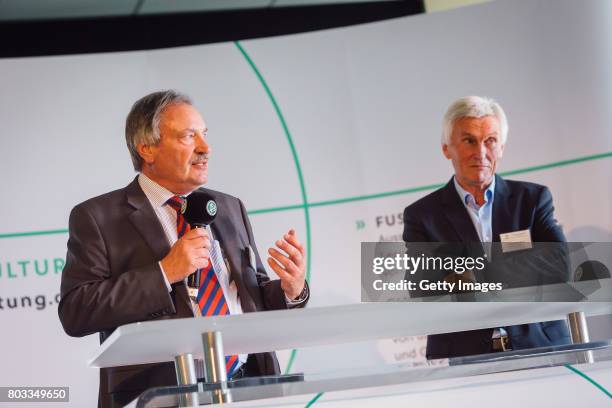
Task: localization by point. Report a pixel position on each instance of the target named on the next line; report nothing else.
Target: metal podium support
(578, 327)
(186, 375)
(580, 333)
(214, 371)
(214, 366)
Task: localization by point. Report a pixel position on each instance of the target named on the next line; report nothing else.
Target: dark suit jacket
(112, 277)
(442, 217)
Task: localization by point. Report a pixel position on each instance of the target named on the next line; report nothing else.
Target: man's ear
(147, 152)
(445, 151)
(501, 151)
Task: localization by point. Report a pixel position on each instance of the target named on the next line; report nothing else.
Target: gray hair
(142, 123)
(473, 107)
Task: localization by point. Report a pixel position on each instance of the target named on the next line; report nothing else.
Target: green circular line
(298, 168)
(33, 233)
(589, 379)
(316, 397)
(312, 401)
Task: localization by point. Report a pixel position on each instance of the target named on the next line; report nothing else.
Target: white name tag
(515, 241)
(193, 292)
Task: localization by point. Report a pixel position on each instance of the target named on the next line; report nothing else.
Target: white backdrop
(363, 107)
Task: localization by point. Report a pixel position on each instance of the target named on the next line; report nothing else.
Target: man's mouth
(199, 159)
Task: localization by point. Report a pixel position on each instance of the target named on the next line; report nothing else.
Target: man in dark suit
(128, 258)
(476, 205)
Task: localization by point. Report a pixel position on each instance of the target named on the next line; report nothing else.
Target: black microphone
(200, 211)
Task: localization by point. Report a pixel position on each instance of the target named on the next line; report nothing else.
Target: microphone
(200, 211)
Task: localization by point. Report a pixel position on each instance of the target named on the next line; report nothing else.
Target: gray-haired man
(477, 205)
(128, 258)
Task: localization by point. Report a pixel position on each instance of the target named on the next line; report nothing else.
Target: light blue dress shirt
(482, 217)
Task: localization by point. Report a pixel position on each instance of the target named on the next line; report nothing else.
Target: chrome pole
(186, 375)
(580, 334)
(214, 366)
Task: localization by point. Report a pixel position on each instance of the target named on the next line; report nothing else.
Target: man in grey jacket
(130, 251)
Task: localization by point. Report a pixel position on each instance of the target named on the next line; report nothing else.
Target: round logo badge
(211, 208)
(184, 207)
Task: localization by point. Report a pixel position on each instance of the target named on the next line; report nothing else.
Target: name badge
(193, 292)
(515, 241)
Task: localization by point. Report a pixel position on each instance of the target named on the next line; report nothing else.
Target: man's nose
(482, 150)
(202, 145)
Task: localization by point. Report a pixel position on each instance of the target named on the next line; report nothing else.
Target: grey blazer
(112, 277)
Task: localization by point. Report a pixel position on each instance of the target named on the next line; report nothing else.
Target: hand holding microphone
(189, 253)
(192, 251)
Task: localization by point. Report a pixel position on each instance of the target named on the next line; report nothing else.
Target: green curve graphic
(33, 233)
(312, 401)
(523, 170)
(580, 373)
(298, 168)
(589, 379)
(575, 370)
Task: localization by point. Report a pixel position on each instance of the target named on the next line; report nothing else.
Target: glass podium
(277, 390)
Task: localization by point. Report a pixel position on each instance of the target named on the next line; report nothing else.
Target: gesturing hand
(289, 265)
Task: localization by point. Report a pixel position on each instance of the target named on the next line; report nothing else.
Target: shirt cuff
(166, 281)
(300, 299)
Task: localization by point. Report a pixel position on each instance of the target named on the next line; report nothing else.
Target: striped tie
(210, 299)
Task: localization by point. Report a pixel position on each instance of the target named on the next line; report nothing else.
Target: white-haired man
(477, 205)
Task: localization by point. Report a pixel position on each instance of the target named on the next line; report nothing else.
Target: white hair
(473, 107)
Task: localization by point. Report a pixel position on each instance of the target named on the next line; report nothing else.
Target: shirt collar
(468, 199)
(156, 194)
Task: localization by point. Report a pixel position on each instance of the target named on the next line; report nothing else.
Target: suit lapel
(457, 214)
(146, 222)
